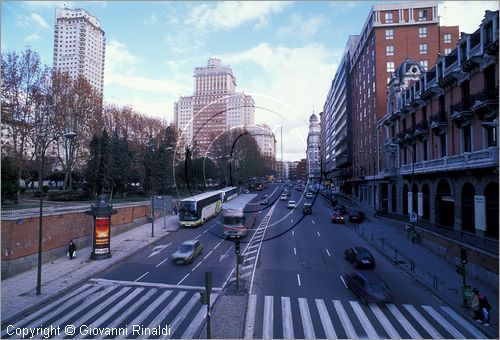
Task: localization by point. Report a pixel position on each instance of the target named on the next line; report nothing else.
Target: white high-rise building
(214, 107)
(265, 139)
(79, 46)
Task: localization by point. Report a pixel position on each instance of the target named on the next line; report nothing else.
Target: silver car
(187, 252)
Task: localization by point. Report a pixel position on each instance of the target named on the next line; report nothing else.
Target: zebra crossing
(128, 309)
(271, 317)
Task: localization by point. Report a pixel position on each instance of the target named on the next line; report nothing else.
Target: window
(447, 51)
(389, 50)
(442, 145)
(389, 34)
(422, 15)
(423, 48)
(422, 32)
(390, 66)
(424, 64)
(467, 140)
(447, 38)
(388, 18)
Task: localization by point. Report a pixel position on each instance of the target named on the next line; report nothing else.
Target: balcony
(461, 114)
(421, 130)
(439, 123)
(485, 104)
(469, 160)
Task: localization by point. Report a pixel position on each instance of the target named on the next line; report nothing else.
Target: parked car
(265, 199)
(307, 209)
(368, 286)
(187, 252)
(309, 195)
(356, 215)
(342, 208)
(283, 197)
(291, 204)
(337, 217)
(360, 257)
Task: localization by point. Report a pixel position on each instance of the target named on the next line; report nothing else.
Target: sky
(284, 54)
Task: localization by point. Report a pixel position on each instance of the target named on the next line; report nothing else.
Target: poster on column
(479, 212)
(102, 235)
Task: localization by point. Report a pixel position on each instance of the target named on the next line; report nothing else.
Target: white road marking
(293, 233)
(162, 262)
(183, 279)
(328, 252)
(312, 221)
(464, 323)
(218, 245)
(140, 277)
(294, 251)
(405, 323)
(286, 313)
(196, 266)
(344, 319)
(318, 233)
(442, 321)
(298, 279)
(425, 324)
(207, 255)
(250, 319)
(197, 236)
(384, 321)
(343, 281)
(367, 326)
(291, 220)
(156, 250)
(305, 315)
(267, 327)
(325, 319)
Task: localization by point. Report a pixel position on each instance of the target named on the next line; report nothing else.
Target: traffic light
(463, 255)
(459, 268)
(237, 247)
(204, 297)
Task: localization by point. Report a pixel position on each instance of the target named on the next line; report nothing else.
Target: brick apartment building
(440, 134)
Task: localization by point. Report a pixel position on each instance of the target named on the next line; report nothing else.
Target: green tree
(10, 180)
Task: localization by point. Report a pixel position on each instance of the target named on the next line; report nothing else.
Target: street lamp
(69, 154)
(43, 147)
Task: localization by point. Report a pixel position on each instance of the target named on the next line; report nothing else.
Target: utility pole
(205, 300)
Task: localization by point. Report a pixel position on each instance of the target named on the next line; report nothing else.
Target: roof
(408, 67)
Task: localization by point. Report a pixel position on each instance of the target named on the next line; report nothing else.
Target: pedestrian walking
(71, 250)
(485, 308)
(476, 308)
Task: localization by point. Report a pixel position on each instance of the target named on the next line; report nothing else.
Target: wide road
(298, 289)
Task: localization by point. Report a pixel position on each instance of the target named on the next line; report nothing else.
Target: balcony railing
(476, 159)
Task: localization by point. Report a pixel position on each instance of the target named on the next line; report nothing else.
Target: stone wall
(20, 236)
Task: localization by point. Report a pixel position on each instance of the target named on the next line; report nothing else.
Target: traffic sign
(413, 217)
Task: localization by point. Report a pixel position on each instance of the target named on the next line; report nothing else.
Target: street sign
(413, 217)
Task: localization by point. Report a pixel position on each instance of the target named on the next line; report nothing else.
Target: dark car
(307, 209)
(368, 286)
(360, 257)
(337, 217)
(187, 252)
(342, 208)
(356, 215)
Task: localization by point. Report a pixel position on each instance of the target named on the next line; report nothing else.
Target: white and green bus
(195, 210)
(228, 193)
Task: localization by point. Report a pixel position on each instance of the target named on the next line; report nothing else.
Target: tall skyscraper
(313, 157)
(214, 107)
(79, 46)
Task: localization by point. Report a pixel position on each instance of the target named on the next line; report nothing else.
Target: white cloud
(32, 37)
(465, 14)
(39, 20)
(144, 84)
(159, 107)
(301, 28)
(296, 80)
(223, 15)
(119, 59)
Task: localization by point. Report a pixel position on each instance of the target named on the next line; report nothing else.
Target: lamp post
(68, 139)
(43, 147)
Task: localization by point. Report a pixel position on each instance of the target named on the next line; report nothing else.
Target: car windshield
(233, 220)
(187, 210)
(185, 248)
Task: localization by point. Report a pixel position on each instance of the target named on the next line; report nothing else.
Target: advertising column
(101, 237)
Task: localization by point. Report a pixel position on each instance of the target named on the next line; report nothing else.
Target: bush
(65, 196)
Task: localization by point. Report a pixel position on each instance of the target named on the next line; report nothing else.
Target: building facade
(441, 137)
(79, 46)
(214, 107)
(313, 150)
(265, 139)
(336, 124)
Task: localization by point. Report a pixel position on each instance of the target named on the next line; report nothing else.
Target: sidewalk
(19, 292)
(440, 277)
